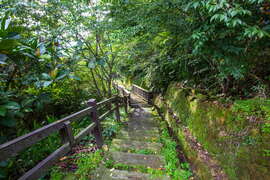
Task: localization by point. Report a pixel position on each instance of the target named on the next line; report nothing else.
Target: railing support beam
(66, 134)
(94, 118)
(117, 112)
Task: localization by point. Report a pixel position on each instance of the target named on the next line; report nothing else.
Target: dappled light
(135, 89)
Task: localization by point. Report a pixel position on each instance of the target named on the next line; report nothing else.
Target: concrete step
(127, 145)
(114, 174)
(129, 127)
(138, 135)
(152, 161)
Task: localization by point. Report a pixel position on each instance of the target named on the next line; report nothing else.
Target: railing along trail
(63, 127)
(143, 93)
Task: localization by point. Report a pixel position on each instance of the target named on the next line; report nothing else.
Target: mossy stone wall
(231, 136)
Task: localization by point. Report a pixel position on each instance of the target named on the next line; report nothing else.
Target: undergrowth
(109, 163)
(176, 169)
(85, 162)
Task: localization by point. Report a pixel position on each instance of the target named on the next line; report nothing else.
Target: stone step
(138, 135)
(126, 145)
(151, 161)
(142, 123)
(149, 129)
(114, 174)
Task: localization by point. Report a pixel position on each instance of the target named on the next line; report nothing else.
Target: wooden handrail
(145, 94)
(147, 91)
(106, 101)
(63, 126)
(122, 91)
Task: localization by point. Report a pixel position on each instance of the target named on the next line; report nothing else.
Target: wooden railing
(63, 126)
(143, 93)
(125, 94)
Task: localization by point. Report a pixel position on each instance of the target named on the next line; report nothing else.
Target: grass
(109, 163)
(87, 162)
(174, 168)
(136, 151)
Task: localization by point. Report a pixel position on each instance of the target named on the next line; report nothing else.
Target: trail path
(136, 147)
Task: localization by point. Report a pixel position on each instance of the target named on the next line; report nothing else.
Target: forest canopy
(56, 54)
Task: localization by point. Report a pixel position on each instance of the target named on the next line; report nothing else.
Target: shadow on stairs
(135, 152)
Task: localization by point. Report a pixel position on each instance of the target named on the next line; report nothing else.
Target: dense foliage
(50, 63)
(216, 45)
(56, 54)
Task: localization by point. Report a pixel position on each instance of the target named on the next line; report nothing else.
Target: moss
(237, 137)
(202, 171)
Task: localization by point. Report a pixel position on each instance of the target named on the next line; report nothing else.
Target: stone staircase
(135, 152)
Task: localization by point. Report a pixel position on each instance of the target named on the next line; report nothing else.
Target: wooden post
(123, 92)
(126, 103)
(94, 117)
(116, 87)
(117, 112)
(66, 134)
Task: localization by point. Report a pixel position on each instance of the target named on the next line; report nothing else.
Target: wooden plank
(84, 132)
(11, 148)
(117, 112)
(94, 117)
(140, 88)
(77, 115)
(67, 134)
(45, 164)
(145, 94)
(106, 101)
(103, 116)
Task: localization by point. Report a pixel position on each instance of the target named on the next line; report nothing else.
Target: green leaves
(8, 111)
(5, 22)
(12, 105)
(255, 32)
(46, 76)
(3, 110)
(3, 58)
(8, 122)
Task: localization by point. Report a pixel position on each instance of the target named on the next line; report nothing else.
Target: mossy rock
(231, 135)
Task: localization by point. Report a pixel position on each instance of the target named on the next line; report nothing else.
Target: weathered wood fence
(125, 94)
(143, 93)
(136, 90)
(63, 126)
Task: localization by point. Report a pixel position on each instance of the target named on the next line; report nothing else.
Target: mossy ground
(237, 136)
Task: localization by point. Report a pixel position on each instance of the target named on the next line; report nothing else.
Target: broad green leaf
(7, 22)
(46, 83)
(74, 77)
(13, 35)
(3, 58)
(28, 54)
(42, 49)
(46, 76)
(8, 122)
(3, 163)
(2, 174)
(27, 110)
(27, 102)
(45, 56)
(101, 62)
(12, 105)
(92, 64)
(3, 111)
(61, 74)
